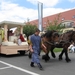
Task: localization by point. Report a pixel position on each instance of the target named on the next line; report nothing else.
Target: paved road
(20, 65)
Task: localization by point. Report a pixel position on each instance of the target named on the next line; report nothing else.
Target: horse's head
(51, 36)
(55, 37)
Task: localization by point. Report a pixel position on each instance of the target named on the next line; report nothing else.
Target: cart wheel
(30, 54)
(22, 52)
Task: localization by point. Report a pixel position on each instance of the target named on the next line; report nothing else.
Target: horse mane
(50, 33)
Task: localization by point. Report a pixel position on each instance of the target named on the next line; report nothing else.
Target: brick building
(67, 18)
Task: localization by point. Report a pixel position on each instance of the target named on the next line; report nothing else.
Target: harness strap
(49, 43)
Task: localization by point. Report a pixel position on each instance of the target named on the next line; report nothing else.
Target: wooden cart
(8, 47)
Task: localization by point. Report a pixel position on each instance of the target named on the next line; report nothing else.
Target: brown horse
(50, 38)
(64, 42)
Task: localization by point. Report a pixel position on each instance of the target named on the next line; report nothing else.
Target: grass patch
(57, 49)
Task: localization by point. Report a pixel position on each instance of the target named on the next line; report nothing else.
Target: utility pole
(40, 16)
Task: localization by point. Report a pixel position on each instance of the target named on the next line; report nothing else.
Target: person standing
(71, 48)
(35, 47)
(19, 40)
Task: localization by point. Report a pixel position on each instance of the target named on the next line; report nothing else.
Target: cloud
(46, 3)
(10, 11)
(13, 12)
(52, 11)
(72, 0)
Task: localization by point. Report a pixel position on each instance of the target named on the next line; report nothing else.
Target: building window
(73, 16)
(62, 19)
(50, 21)
(69, 24)
(44, 22)
(72, 24)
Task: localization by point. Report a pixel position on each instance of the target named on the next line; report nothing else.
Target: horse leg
(66, 45)
(60, 56)
(66, 55)
(46, 57)
(52, 53)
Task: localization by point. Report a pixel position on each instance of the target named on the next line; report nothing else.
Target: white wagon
(8, 47)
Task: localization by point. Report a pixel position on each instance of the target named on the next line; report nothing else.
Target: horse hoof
(46, 58)
(53, 55)
(67, 60)
(60, 58)
(43, 57)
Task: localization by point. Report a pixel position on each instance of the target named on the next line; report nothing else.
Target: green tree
(55, 25)
(29, 29)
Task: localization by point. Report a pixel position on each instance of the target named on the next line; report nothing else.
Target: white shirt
(70, 46)
(19, 42)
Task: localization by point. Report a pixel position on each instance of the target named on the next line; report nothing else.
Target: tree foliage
(29, 29)
(55, 25)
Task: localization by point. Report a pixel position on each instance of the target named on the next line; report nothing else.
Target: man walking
(35, 47)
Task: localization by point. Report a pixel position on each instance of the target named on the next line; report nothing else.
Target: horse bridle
(50, 43)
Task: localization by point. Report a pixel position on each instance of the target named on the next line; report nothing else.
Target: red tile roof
(67, 15)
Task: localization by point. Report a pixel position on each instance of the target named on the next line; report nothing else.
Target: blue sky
(21, 10)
